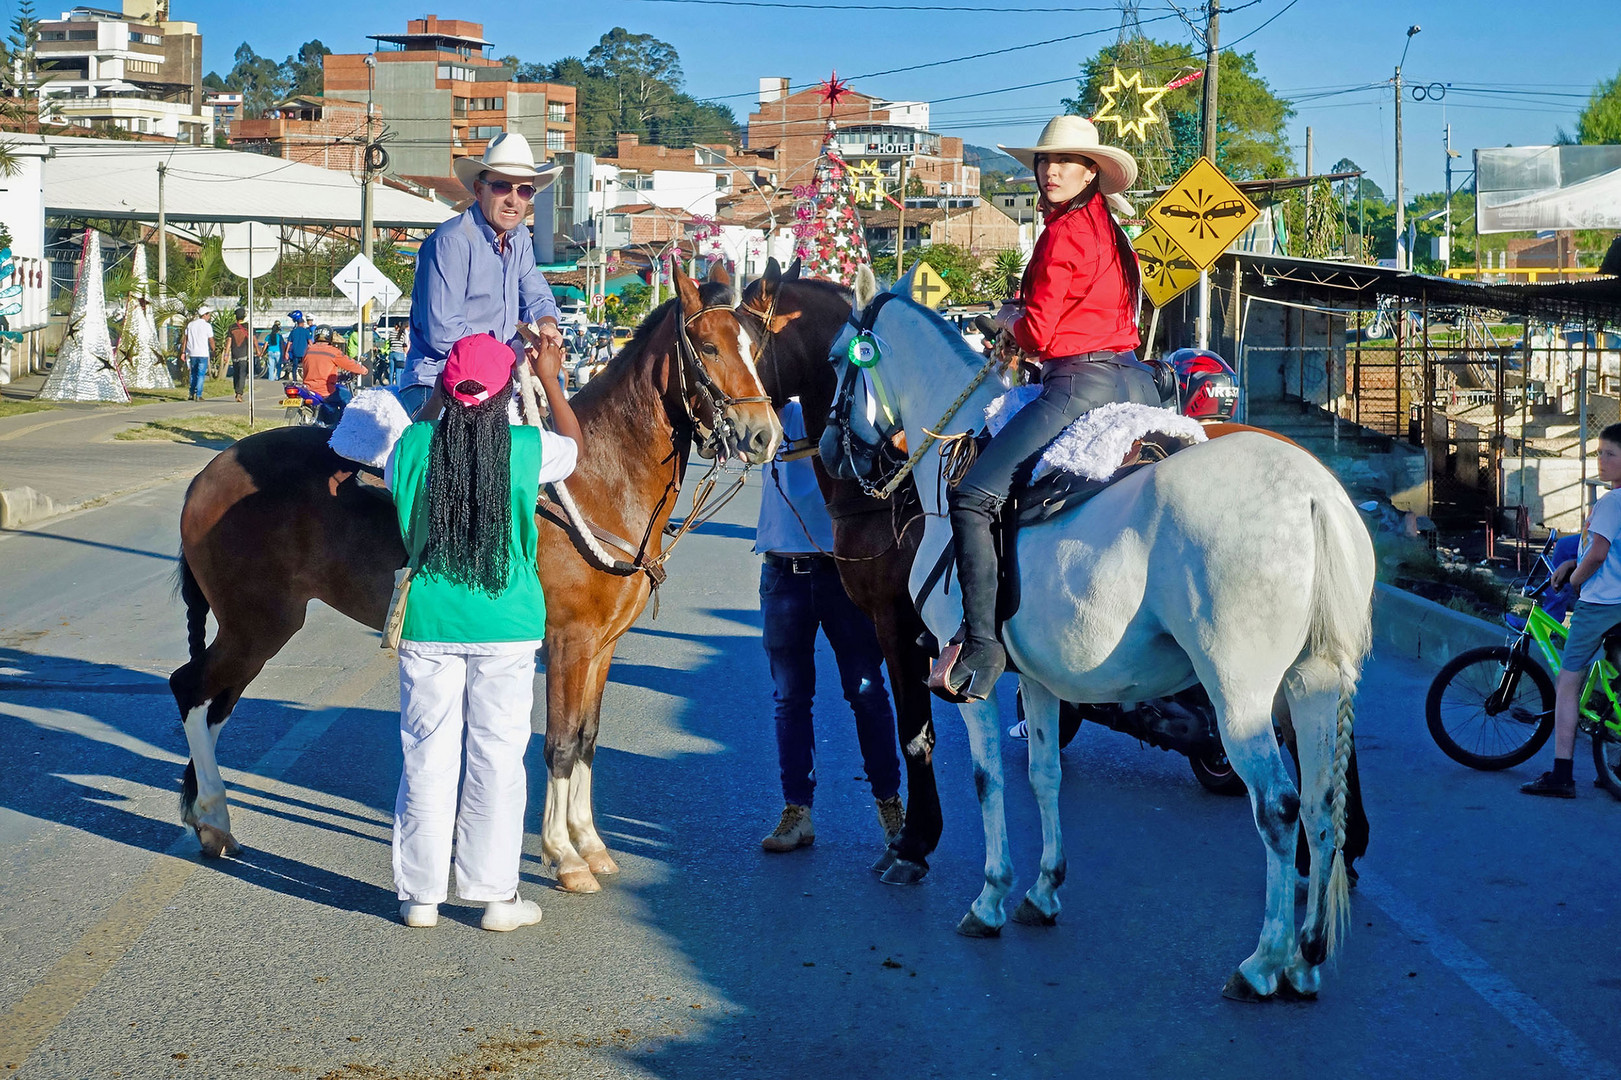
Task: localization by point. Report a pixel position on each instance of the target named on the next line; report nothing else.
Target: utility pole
(900, 223)
(1451, 153)
(366, 207)
(1207, 147)
(1305, 231)
(1404, 259)
(163, 257)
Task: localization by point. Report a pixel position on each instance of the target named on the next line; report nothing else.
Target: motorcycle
(1185, 723)
(301, 406)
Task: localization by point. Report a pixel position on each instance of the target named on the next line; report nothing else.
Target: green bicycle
(1492, 708)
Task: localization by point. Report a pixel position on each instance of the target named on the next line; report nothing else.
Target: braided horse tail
(1341, 634)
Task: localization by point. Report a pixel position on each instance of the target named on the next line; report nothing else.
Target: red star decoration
(834, 89)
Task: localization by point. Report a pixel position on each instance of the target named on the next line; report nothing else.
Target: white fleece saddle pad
(1094, 446)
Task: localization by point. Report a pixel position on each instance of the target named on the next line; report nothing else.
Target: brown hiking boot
(793, 831)
(891, 816)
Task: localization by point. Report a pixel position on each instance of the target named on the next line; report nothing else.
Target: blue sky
(1530, 64)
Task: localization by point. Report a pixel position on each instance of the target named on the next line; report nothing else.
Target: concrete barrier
(21, 506)
(1418, 629)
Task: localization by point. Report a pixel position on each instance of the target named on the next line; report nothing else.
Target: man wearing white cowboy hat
(1077, 312)
(476, 273)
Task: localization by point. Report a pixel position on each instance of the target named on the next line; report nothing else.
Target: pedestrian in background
(298, 343)
(275, 343)
(465, 487)
(198, 340)
(242, 352)
(800, 591)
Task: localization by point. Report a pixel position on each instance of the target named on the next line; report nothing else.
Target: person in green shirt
(464, 488)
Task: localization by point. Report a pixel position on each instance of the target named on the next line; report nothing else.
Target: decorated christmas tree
(830, 239)
(85, 369)
(138, 357)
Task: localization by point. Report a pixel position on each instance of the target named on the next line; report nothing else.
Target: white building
(22, 208)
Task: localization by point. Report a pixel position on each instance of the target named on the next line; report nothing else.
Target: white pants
(491, 696)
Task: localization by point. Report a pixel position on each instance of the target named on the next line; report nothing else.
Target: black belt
(1086, 357)
(798, 564)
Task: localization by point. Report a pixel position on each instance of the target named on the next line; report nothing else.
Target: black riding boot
(982, 659)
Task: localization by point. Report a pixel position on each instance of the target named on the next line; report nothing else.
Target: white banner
(1531, 188)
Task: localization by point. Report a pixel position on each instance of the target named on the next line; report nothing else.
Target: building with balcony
(329, 132)
(444, 96)
(882, 135)
(133, 69)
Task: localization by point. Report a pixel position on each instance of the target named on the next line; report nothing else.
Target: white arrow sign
(361, 281)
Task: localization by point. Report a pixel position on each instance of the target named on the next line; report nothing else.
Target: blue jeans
(793, 606)
(199, 371)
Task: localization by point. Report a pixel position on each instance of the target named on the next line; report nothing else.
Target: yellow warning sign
(928, 287)
(1167, 270)
(1203, 213)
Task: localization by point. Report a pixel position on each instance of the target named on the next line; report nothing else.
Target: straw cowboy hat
(1117, 170)
(509, 156)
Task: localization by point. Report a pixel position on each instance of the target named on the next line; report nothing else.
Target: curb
(23, 506)
(1412, 627)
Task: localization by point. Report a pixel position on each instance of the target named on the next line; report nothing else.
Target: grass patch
(18, 408)
(216, 432)
(212, 389)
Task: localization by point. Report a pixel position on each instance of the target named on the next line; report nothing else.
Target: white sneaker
(504, 915)
(420, 915)
(1021, 730)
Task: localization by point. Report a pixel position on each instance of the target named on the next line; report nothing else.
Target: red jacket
(322, 366)
(1076, 295)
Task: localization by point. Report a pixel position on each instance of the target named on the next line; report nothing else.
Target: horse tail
(1341, 633)
(196, 610)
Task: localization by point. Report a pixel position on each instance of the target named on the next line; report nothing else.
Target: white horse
(1238, 563)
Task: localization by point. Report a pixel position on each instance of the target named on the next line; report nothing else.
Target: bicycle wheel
(1476, 723)
(1607, 759)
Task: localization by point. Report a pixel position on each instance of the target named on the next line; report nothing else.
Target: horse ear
(792, 273)
(903, 285)
(687, 289)
(718, 274)
(772, 278)
(866, 287)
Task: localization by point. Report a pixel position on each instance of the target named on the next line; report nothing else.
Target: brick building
(791, 126)
(323, 131)
(444, 96)
(974, 225)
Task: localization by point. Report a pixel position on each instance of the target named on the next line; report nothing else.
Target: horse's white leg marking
(582, 825)
(985, 741)
(1041, 715)
(573, 873)
(209, 808)
(1246, 733)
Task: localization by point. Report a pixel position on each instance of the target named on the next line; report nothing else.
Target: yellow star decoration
(1147, 98)
(869, 182)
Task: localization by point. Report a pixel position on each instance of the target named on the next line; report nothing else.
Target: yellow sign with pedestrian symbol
(928, 287)
(1167, 270)
(1203, 213)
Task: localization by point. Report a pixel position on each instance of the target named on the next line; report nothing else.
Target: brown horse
(796, 322)
(279, 519)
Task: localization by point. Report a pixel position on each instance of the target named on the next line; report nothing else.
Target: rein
(720, 403)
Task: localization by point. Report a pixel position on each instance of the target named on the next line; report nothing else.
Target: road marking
(1518, 1007)
(48, 1002)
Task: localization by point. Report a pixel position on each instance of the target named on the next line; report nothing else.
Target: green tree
(1600, 121)
(1251, 121)
(645, 73)
(257, 78)
(301, 73)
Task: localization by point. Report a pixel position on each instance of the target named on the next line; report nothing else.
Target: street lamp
(1451, 156)
(1403, 260)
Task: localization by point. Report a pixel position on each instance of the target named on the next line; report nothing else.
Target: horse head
(864, 437)
(719, 382)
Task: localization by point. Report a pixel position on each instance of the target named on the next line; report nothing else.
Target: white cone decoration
(85, 369)
(138, 347)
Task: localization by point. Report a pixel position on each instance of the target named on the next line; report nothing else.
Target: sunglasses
(526, 192)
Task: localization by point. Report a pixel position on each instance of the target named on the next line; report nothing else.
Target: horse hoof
(1287, 992)
(904, 872)
(1028, 914)
(974, 926)
(577, 881)
(217, 842)
(1238, 988)
(885, 861)
(600, 862)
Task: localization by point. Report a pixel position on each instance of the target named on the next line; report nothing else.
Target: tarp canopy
(107, 178)
(1521, 188)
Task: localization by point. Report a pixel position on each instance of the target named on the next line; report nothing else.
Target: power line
(877, 7)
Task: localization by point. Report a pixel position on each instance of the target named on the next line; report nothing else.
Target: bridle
(715, 436)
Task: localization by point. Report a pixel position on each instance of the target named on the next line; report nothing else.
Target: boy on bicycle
(1596, 575)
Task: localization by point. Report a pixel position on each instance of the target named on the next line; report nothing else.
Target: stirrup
(962, 691)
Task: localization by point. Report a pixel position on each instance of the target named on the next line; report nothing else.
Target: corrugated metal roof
(107, 178)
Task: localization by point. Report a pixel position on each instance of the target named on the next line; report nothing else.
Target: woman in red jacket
(1079, 316)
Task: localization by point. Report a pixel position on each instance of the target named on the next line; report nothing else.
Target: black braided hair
(470, 496)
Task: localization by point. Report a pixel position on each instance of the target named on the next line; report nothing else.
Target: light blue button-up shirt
(791, 486)
(466, 285)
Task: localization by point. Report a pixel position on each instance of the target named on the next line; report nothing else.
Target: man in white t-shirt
(198, 342)
(1596, 573)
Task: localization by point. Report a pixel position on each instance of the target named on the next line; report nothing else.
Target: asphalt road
(1484, 938)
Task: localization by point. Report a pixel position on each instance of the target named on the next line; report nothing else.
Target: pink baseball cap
(480, 359)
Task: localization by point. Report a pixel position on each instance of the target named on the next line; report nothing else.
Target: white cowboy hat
(1117, 170)
(508, 155)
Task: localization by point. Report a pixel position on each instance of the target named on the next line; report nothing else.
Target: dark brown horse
(796, 321)
(279, 520)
